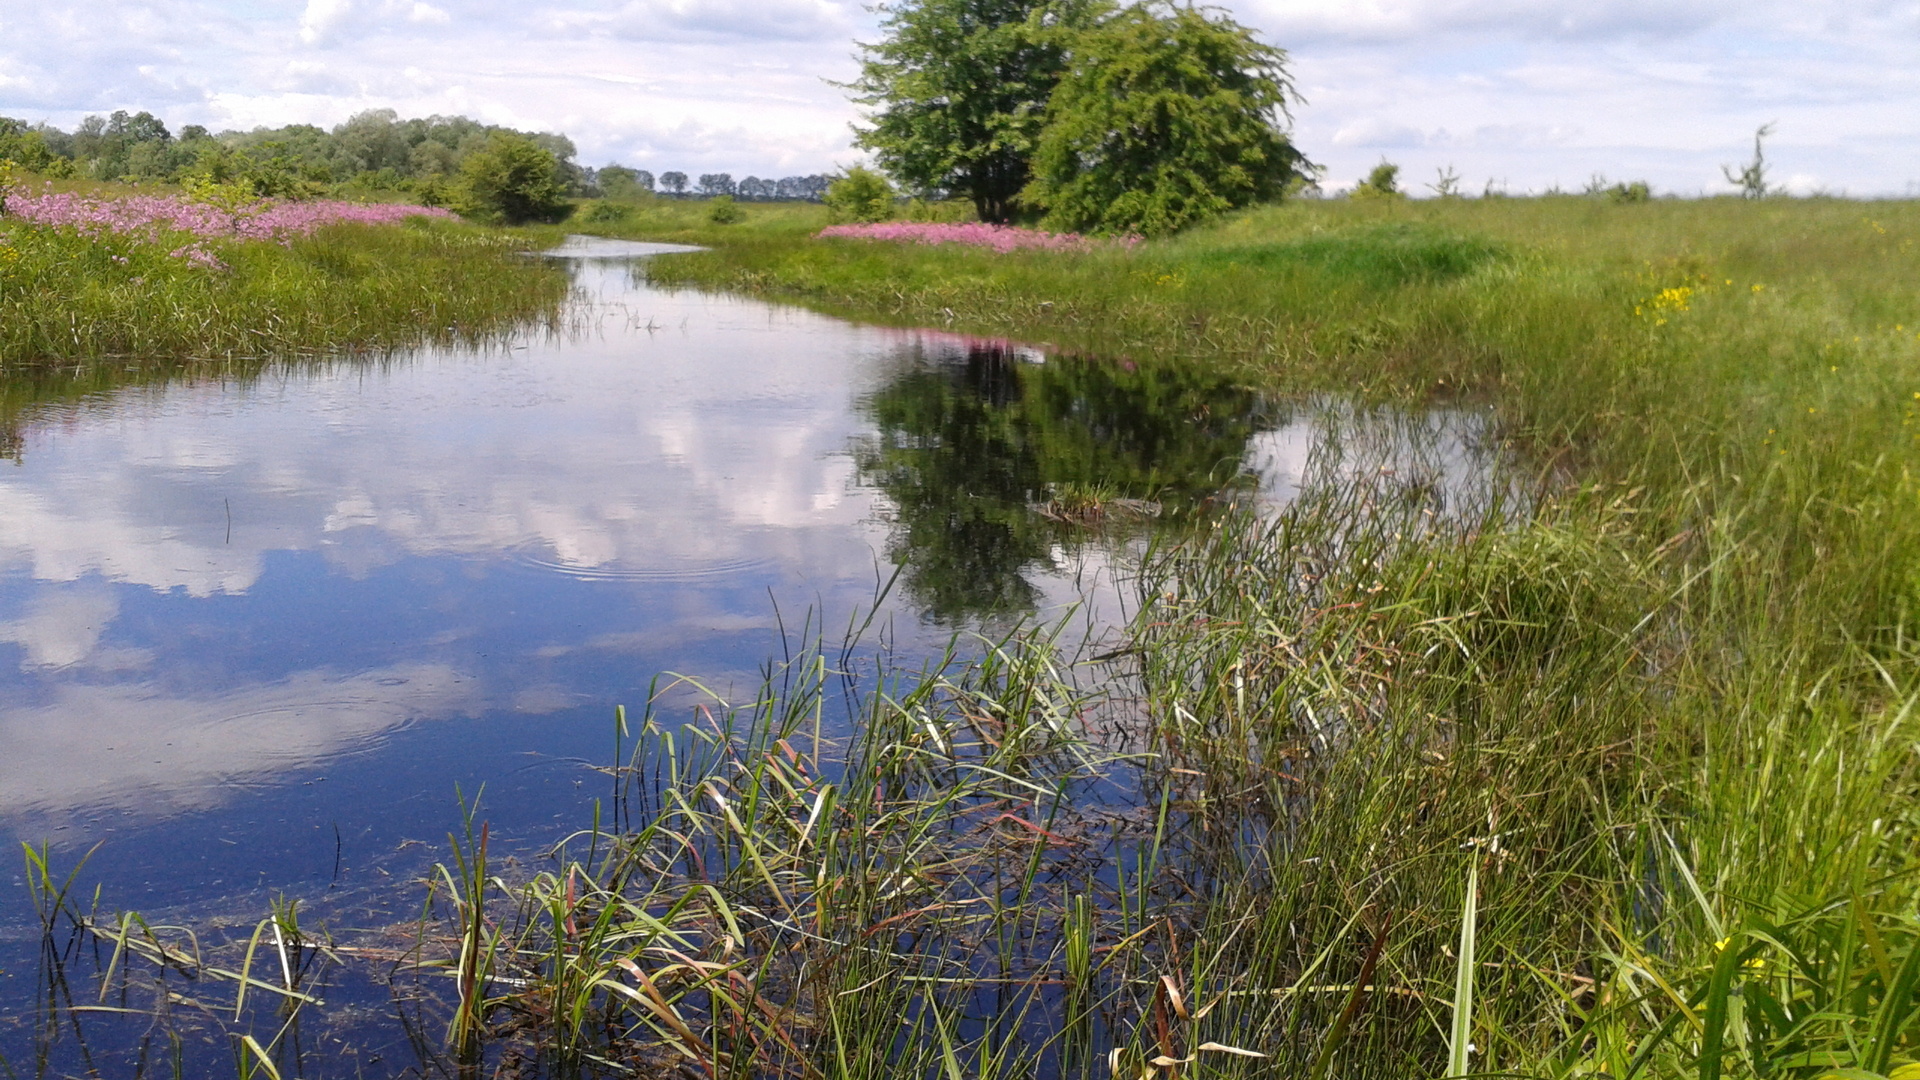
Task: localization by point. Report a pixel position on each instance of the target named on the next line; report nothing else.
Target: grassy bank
(87, 294)
(1616, 777)
(1661, 725)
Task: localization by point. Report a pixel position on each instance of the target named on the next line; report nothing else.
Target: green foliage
(602, 212)
(1383, 182)
(722, 210)
(860, 195)
(1636, 192)
(959, 90)
(513, 180)
(375, 153)
(1167, 116)
(26, 147)
(945, 212)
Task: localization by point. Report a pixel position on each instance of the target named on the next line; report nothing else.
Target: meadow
(1613, 775)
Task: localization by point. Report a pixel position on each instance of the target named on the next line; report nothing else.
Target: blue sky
(1524, 94)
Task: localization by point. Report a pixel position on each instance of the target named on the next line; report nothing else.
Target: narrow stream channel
(254, 635)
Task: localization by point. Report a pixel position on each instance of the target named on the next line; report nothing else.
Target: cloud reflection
(124, 746)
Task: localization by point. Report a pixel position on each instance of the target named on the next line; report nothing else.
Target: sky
(1519, 95)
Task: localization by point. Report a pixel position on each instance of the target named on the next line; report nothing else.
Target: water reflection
(447, 567)
(994, 459)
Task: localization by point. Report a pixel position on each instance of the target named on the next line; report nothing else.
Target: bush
(603, 212)
(722, 210)
(861, 195)
(1382, 183)
(513, 180)
(1636, 192)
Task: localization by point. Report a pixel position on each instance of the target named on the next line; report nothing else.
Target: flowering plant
(150, 214)
(1001, 238)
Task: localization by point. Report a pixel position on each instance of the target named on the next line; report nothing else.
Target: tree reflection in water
(994, 457)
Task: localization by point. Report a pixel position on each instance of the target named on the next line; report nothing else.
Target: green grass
(66, 297)
(80, 316)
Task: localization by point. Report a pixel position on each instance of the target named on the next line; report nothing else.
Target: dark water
(253, 634)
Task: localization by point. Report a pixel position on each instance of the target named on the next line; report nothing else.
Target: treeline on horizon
(373, 153)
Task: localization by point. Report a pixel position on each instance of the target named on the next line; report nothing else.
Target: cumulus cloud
(1403, 20)
(62, 627)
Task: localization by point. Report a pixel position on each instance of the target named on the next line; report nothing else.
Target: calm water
(254, 634)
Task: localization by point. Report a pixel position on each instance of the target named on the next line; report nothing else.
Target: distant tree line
(479, 168)
(619, 181)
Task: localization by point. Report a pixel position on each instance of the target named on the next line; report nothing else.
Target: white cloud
(323, 18)
(764, 20)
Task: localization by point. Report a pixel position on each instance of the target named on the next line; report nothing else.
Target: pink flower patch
(149, 214)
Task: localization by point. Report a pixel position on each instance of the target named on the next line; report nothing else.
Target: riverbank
(1666, 714)
(104, 273)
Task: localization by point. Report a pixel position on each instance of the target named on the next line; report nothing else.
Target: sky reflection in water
(253, 634)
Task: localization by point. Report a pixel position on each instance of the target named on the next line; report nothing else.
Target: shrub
(513, 180)
(1635, 192)
(1382, 183)
(861, 195)
(722, 210)
(603, 212)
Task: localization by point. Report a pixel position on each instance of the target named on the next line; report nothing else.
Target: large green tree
(1165, 116)
(959, 89)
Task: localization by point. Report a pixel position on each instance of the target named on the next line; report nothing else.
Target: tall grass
(68, 297)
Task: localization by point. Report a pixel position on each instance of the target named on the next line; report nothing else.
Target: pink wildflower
(198, 256)
(147, 215)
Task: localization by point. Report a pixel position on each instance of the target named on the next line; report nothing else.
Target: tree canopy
(1165, 116)
(959, 90)
(514, 179)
